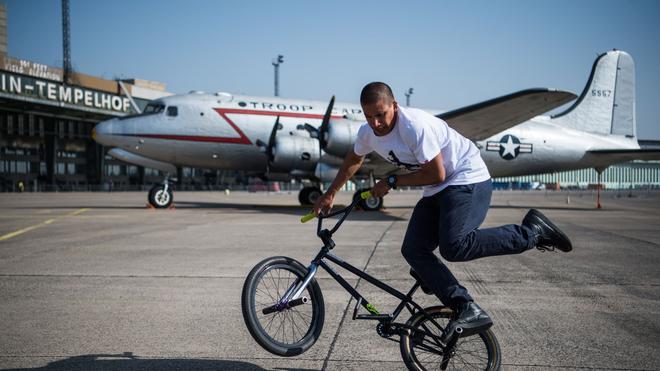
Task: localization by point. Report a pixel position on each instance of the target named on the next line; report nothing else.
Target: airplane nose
(103, 132)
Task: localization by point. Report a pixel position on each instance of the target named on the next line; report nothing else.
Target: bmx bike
(283, 309)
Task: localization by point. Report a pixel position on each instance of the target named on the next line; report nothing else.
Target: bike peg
(307, 218)
(365, 195)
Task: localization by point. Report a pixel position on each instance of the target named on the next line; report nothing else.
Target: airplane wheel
(159, 198)
(309, 195)
(371, 203)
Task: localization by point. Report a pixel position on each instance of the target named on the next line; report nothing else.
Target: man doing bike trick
(457, 193)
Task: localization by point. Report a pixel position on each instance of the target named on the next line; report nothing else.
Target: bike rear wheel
(421, 352)
(286, 331)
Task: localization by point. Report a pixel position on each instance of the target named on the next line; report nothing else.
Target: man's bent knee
(454, 251)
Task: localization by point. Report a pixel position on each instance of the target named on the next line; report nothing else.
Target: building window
(10, 124)
(31, 125)
(21, 125)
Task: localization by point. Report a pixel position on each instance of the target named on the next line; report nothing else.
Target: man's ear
(395, 105)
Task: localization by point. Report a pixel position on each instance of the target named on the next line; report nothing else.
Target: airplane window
(153, 108)
(172, 111)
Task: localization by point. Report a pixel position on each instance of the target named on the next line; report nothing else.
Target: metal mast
(408, 94)
(276, 63)
(66, 44)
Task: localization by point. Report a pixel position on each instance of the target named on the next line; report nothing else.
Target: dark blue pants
(449, 220)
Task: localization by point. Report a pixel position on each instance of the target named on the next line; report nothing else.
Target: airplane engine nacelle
(295, 152)
(340, 136)
(325, 172)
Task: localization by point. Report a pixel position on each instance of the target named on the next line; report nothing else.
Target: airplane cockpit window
(150, 109)
(172, 111)
(153, 108)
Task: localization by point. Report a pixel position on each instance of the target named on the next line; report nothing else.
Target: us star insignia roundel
(509, 147)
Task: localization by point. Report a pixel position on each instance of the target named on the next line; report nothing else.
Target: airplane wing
(483, 120)
(624, 155)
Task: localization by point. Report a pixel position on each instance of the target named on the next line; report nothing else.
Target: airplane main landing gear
(309, 195)
(371, 203)
(161, 196)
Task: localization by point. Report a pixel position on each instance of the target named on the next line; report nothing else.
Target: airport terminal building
(46, 125)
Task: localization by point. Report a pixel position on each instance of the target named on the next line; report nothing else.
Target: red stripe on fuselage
(242, 138)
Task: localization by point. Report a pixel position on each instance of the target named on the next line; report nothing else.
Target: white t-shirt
(417, 138)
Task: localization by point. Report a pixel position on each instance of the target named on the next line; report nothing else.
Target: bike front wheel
(284, 330)
(421, 350)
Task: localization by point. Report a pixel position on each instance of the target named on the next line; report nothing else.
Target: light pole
(408, 94)
(276, 63)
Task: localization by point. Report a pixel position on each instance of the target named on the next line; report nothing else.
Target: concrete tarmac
(96, 281)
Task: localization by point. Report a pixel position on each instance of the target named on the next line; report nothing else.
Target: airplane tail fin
(607, 104)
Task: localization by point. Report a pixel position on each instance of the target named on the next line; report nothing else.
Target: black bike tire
(250, 316)
(488, 337)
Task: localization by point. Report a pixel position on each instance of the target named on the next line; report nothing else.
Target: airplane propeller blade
(271, 140)
(326, 121)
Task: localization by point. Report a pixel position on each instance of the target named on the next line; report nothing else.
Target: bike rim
(289, 326)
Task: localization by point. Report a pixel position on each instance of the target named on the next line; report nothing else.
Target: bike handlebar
(325, 234)
(364, 195)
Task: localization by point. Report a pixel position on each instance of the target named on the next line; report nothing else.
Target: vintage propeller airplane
(281, 139)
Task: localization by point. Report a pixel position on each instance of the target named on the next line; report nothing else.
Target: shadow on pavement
(128, 361)
(298, 211)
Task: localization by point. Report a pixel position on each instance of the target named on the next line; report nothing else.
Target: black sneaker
(548, 235)
(471, 320)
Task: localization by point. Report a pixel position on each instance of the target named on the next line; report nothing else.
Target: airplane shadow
(127, 361)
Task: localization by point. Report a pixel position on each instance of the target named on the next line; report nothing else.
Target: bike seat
(424, 288)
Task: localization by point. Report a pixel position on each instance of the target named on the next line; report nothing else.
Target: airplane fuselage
(223, 131)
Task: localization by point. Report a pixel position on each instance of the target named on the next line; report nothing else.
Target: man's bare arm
(349, 167)
(432, 172)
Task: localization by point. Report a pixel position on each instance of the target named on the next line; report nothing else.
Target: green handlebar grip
(307, 218)
(365, 195)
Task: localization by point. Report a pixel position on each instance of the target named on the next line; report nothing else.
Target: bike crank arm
(282, 306)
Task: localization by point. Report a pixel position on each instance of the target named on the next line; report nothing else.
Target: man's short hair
(375, 92)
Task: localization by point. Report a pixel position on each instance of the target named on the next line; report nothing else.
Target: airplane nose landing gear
(161, 196)
(309, 195)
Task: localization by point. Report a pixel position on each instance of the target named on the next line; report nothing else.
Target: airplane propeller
(271, 140)
(268, 147)
(323, 130)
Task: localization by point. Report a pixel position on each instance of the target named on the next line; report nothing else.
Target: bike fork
(297, 288)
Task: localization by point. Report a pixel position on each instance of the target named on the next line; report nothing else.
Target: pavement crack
(350, 301)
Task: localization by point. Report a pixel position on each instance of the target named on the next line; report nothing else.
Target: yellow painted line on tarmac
(33, 227)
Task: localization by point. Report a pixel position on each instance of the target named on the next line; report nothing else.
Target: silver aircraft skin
(285, 138)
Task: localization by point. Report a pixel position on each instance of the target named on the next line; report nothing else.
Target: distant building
(636, 174)
(46, 125)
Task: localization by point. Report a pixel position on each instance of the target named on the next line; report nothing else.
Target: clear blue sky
(453, 53)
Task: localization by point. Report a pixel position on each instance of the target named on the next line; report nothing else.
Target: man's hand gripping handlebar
(364, 195)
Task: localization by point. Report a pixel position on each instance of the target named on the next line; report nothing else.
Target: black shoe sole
(473, 328)
(536, 217)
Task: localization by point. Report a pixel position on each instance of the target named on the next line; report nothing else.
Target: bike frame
(297, 288)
